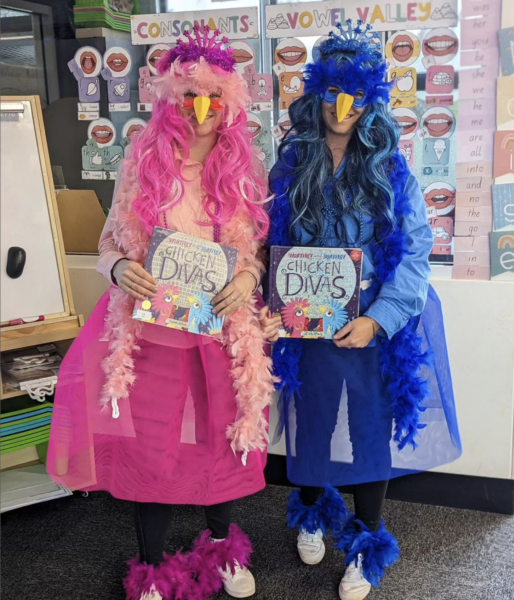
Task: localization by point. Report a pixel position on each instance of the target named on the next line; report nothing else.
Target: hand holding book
(234, 295)
(270, 325)
(132, 278)
(192, 275)
(315, 290)
(357, 334)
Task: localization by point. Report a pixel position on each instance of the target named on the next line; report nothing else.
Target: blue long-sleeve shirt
(405, 296)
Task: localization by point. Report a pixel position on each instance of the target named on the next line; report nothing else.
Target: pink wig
(233, 176)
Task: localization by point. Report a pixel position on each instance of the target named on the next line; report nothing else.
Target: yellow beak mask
(201, 105)
(343, 104)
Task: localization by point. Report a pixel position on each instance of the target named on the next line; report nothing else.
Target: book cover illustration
(189, 271)
(502, 255)
(316, 291)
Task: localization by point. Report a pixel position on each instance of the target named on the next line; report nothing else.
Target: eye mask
(331, 98)
(189, 103)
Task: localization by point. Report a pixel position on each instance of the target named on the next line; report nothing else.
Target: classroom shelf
(29, 485)
(6, 395)
(25, 457)
(22, 336)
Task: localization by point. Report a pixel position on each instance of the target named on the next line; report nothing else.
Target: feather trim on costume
(203, 79)
(121, 331)
(118, 365)
(207, 558)
(171, 578)
(327, 514)
(250, 367)
(279, 209)
(400, 362)
(351, 78)
(379, 549)
(203, 66)
(400, 358)
(286, 355)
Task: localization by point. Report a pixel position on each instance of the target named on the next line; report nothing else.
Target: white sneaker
(311, 547)
(153, 594)
(354, 586)
(241, 584)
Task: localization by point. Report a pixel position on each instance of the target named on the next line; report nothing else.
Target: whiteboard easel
(29, 217)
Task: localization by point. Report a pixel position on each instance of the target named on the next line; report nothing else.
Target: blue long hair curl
(374, 141)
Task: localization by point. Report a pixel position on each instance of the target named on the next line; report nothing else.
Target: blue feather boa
(401, 358)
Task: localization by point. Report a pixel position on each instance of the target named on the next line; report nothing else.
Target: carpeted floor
(75, 549)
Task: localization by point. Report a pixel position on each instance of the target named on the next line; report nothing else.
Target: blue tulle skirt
(339, 425)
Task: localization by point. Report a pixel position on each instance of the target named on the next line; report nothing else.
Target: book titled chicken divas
(315, 290)
(189, 271)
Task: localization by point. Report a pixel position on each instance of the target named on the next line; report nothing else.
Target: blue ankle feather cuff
(327, 514)
(379, 549)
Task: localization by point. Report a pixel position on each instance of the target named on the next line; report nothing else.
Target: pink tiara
(200, 46)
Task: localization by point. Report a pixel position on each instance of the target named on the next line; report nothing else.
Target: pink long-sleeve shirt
(189, 217)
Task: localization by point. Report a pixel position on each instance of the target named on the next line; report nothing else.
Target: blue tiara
(360, 40)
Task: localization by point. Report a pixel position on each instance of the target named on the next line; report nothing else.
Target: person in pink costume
(158, 416)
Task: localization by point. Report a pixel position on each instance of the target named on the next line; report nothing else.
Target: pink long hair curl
(233, 178)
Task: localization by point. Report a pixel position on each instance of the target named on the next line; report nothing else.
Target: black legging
(152, 523)
(368, 497)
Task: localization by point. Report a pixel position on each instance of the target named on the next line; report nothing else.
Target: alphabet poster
(507, 50)
(505, 103)
(259, 87)
(117, 66)
(504, 157)
(86, 66)
(428, 120)
(503, 207)
(259, 125)
(243, 55)
(147, 75)
(101, 158)
(502, 256)
(131, 128)
(290, 58)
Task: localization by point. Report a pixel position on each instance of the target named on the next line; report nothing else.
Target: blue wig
(352, 62)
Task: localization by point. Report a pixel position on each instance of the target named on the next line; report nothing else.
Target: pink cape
(169, 444)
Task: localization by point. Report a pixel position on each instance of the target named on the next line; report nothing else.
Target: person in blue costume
(376, 401)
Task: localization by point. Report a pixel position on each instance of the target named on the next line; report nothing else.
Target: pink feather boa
(243, 338)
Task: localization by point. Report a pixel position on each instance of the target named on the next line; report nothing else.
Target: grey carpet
(75, 549)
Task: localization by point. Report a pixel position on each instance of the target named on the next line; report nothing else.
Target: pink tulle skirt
(169, 443)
